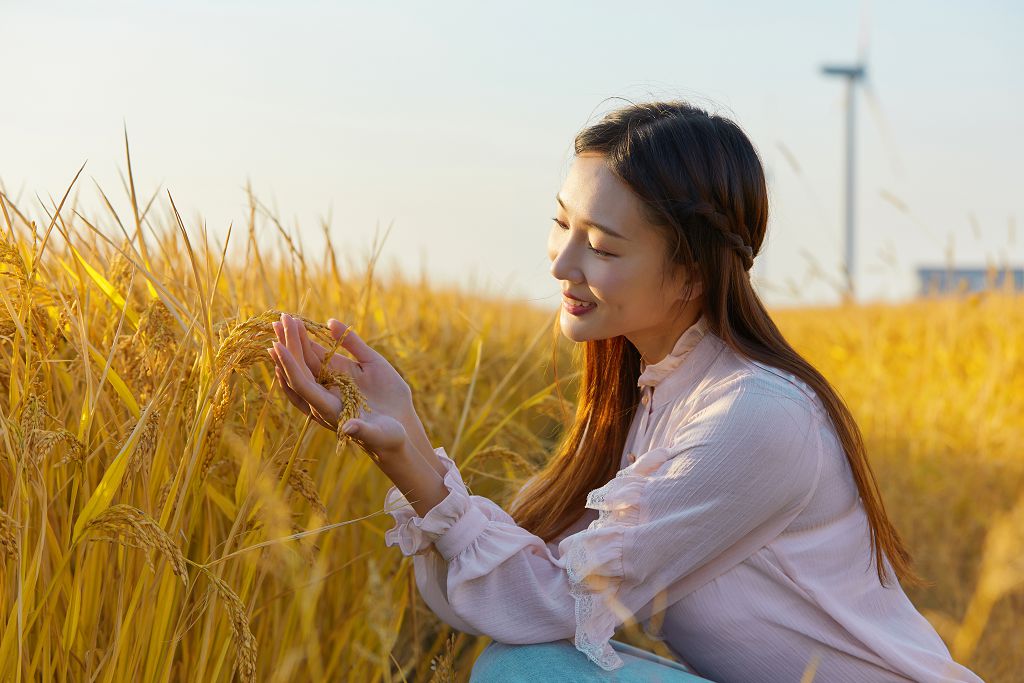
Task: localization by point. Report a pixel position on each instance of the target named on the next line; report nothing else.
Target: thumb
(352, 426)
(352, 342)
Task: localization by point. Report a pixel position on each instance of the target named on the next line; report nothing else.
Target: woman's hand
(392, 418)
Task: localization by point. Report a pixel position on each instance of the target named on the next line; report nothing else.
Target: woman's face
(621, 274)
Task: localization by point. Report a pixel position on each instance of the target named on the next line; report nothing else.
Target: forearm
(416, 477)
(420, 442)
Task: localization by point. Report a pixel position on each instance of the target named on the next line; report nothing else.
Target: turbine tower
(852, 74)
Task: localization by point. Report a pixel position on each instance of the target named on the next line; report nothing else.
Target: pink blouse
(734, 514)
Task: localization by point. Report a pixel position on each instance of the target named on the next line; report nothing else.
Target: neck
(655, 344)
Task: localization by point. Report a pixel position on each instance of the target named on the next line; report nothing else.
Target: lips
(571, 298)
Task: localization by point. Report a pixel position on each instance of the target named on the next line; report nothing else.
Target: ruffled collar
(651, 375)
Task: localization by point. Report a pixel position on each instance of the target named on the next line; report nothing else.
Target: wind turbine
(854, 73)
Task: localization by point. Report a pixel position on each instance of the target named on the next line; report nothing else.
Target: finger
(293, 398)
(297, 401)
(301, 381)
(313, 352)
(292, 343)
(278, 330)
(352, 342)
(338, 362)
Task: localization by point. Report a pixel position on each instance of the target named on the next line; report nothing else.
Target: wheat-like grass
(513, 458)
(1001, 573)
(244, 343)
(943, 439)
(352, 400)
(241, 633)
(154, 343)
(241, 346)
(141, 458)
(119, 272)
(33, 414)
(9, 256)
(8, 535)
(302, 483)
(41, 442)
(218, 414)
(443, 665)
(131, 526)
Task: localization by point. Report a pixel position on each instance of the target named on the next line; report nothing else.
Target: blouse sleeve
(734, 476)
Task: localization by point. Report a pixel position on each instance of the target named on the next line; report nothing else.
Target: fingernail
(349, 428)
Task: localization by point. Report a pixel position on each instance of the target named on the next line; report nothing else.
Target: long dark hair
(701, 182)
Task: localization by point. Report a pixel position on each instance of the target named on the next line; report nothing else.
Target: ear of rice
(352, 400)
(8, 535)
(41, 443)
(242, 344)
(131, 526)
(443, 664)
(10, 257)
(241, 633)
(141, 458)
(302, 483)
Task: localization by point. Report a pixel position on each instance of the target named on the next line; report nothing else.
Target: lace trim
(415, 535)
(617, 503)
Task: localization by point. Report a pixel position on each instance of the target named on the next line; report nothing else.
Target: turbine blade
(888, 140)
(863, 39)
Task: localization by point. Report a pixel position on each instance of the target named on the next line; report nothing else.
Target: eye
(596, 251)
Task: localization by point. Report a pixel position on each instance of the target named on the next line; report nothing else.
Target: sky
(453, 122)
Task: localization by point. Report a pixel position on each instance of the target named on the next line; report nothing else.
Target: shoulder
(746, 420)
(736, 386)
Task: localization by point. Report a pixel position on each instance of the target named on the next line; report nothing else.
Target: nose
(563, 266)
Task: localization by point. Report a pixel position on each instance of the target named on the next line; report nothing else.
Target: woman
(712, 480)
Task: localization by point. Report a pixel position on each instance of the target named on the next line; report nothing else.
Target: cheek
(615, 283)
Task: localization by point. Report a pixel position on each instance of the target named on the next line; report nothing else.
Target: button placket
(645, 401)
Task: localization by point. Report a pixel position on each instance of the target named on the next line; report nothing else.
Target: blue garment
(560, 661)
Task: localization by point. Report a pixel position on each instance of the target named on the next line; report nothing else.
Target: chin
(573, 332)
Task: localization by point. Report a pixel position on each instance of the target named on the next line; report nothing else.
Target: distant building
(963, 280)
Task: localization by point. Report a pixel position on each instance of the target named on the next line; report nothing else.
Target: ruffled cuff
(450, 526)
(594, 558)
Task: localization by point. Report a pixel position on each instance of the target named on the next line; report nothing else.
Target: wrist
(419, 442)
(416, 478)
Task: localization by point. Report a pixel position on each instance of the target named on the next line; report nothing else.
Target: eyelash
(596, 251)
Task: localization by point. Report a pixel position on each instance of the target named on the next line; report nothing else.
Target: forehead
(592, 192)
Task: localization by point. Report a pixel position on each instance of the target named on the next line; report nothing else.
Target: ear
(681, 279)
(697, 288)
(691, 279)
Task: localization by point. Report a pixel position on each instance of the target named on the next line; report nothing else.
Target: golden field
(167, 515)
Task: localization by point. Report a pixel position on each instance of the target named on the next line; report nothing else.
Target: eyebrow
(602, 228)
